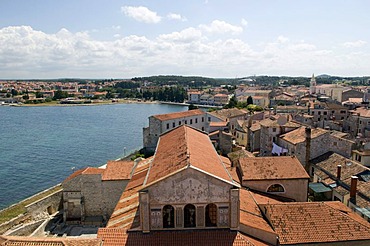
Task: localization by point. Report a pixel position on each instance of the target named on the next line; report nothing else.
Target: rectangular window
(319, 113)
(274, 129)
(186, 122)
(209, 119)
(168, 125)
(179, 123)
(196, 120)
(325, 113)
(191, 121)
(173, 124)
(202, 119)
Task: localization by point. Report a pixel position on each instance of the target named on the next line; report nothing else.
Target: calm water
(39, 146)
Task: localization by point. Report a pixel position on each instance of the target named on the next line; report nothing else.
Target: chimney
(352, 193)
(339, 170)
(308, 148)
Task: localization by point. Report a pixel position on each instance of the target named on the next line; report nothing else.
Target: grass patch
(20, 208)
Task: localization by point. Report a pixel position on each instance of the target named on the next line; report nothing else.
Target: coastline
(94, 103)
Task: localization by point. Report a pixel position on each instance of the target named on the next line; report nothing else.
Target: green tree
(192, 106)
(249, 100)
(232, 103)
(60, 94)
(39, 94)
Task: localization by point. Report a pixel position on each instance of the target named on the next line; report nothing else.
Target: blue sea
(41, 146)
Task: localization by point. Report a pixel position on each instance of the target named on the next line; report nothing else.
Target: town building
(159, 124)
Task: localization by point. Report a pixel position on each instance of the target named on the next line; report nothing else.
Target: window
(209, 119)
(186, 122)
(274, 129)
(275, 188)
(325, 113)
(202, 119)
(211, 215)
(168, 214)
(202, 128)
(191, 121)
(319, 113)
(179, 123)
(189, 216)
(173, 124)
(168, 125)
(196, 120)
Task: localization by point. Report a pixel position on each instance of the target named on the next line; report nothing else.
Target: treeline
(190, 81)
(171, 94)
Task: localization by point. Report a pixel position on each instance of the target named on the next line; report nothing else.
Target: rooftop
(226, 114)
(271, 168)
(299, 135)
(172, 116)
(118, 170)
(193, 149)
(315, 222)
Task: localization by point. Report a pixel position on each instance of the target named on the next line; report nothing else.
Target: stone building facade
(159, 124)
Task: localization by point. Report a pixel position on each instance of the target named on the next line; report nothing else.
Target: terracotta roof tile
(43, 241)
(218, 123)
(85, 171)
(126, 213)
(268, 168)
(299, 135)
(226, 114)
(314, 222)
(250, 213)
(118, 170)
(177, 115)
(329, 161)
(112, 237)
(193, 149)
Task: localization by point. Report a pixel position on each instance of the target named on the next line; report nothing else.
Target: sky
(46, 39)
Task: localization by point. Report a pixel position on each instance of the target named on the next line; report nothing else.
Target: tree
(60, 94)
(39, 94)
(249, 100)
(192, 106)
(232, 103)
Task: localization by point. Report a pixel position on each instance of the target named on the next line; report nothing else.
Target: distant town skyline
(123, 39)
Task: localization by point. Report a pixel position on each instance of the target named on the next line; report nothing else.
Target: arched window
(189, 216)
(168, 214)
(211, 215)
(275, 188)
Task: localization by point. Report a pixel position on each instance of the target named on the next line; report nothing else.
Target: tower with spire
(313, 85)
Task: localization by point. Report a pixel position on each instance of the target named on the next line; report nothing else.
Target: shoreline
(97, 103)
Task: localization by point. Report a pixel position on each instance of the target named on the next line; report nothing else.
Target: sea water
(41, 146)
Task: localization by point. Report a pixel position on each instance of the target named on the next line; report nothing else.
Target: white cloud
(354, 44)
(244, 22)
(116, 27)
(28, 53)
(172, 16)
(187, 35)
(221, 27)
(141, 14)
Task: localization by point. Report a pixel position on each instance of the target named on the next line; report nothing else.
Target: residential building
(279, 175)
(221, 99)
(230, 115)
(159, 124)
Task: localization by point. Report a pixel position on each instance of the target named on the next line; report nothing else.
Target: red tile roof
(113, 237)
(299, 135)
(250, 214)
(126, 213)
(118, 170)
(85, 171)
(184, 147)
(43, 241)
(177, 115)
(268, 168)
(315, 222)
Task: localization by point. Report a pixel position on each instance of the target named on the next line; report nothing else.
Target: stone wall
(294, 188)
(91, 196)
(46, 206)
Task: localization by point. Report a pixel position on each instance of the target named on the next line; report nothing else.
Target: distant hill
(323, 76)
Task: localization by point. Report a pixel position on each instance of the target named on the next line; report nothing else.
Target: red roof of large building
(118, 170)
(267, 168)
(172, 116)
(315, 222)
(185, 147)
